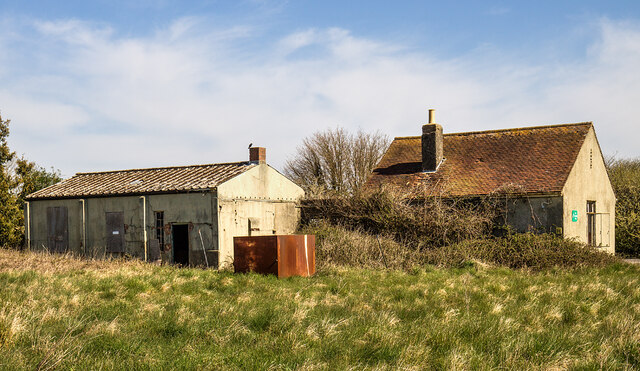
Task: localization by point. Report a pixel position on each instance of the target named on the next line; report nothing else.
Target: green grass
(72, 314)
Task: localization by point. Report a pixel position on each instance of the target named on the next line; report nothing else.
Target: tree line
(18, 178)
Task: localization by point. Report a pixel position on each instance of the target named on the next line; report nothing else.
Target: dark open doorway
(180, 244)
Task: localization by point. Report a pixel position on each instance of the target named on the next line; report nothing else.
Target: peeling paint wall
(589, 181)
(193, 209)
(261, 196)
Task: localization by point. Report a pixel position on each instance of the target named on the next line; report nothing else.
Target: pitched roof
(535, 159)
(141, 181)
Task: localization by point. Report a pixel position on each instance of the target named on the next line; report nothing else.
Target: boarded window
(57, 229)
(115, 231)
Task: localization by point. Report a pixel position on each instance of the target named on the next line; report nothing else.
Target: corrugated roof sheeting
(141, 181)
(536, 159)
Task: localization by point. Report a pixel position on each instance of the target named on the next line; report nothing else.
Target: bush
(625, 178)
(533, 251)
(340, 246)
(431, 221)
(391, 229)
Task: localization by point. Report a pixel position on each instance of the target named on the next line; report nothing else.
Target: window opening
(160, 229)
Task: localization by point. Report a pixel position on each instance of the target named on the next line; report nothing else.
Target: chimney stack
(257, 155)
(432, 151)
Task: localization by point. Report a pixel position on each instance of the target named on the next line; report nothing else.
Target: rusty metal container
(282, 255)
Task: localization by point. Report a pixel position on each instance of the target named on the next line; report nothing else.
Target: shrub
(625, 178)
(340, 246)
(533, 251)
(431, 221)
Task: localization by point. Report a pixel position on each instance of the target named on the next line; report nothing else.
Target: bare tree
(335, 160)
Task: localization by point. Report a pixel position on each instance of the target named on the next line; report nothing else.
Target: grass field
(62, 312)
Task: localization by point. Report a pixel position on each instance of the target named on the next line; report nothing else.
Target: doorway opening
(180, 234)
(591, 223)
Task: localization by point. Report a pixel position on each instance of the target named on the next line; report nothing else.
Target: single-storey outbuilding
(183, 214)
(559, 174)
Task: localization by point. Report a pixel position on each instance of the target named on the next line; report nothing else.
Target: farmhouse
(556, 174)
(184, 215)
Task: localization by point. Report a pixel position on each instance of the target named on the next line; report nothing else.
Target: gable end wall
(589, 181)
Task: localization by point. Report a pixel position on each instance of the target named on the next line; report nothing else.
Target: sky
(113, 84)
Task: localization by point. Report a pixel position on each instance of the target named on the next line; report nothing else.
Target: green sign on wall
(574, 215)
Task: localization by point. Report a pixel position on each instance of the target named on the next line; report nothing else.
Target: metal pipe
(84, 228)
(144, 226)
(28, 224)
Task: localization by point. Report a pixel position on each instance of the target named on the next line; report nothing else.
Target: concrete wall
(37, 236)
(261, 194)
(539, 214)
(193, 209)
(589, 181)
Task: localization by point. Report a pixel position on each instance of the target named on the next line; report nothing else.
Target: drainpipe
(84, 228)
(144, 225)
(28, 224)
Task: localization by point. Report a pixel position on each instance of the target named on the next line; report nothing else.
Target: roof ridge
(502, 130)
(521, 128)
(164, 168)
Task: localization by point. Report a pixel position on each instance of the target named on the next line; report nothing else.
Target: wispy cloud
(192, 93)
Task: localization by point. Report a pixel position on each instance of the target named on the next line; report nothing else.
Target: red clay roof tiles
(535, 159)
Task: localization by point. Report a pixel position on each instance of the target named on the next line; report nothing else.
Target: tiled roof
(141, 181)
(534, 159)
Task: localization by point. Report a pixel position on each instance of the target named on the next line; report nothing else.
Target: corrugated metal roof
(141, 181)
(536, 159)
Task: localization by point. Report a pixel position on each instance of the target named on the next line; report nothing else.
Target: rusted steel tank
(282, 255)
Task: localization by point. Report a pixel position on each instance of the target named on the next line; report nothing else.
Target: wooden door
(115, 231)
(57, 229)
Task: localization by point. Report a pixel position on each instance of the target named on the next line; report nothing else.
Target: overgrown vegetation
(60, 312)
(387, 228)
(625, 178)
(341, 246)
(18, 178)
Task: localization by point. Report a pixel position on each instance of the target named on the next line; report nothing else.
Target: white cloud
(193, 93)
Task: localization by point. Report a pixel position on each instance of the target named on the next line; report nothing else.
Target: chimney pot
(258, 155)
(432, 114)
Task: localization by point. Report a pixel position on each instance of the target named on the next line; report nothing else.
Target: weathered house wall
(589, 181)
(197, 210)
(260, 199)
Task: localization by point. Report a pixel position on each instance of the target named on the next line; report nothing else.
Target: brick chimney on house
(257, 155)
(432, 151)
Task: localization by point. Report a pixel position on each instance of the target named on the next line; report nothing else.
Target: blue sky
(98, 85)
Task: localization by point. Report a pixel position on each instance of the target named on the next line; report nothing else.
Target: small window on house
(591, 223)
(590, 159)
(160, 228)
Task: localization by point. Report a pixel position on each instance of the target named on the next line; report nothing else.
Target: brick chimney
(432, 151)
(258, 155)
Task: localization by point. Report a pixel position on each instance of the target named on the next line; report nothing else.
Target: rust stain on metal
(282, 255)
